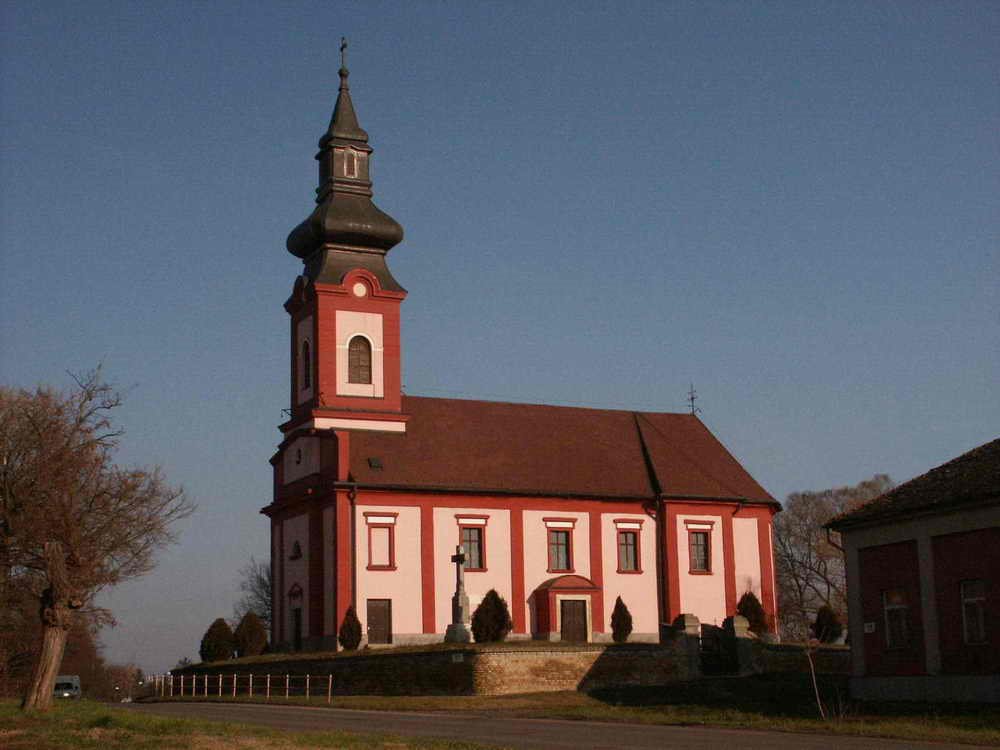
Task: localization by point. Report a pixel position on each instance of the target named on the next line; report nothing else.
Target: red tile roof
(488, 446)
(971, 479)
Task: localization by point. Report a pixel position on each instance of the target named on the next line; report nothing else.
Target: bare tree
(255, 583)
(71, 521)
(810, 565)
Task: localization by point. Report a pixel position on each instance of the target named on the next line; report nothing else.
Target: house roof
(488, 446)
(969, 480)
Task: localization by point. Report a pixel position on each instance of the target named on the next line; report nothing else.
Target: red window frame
(391, 527)
(569, 550)
(462, 526)
(707, 570)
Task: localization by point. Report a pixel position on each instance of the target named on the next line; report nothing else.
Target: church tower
(344, 308)
(344, 377)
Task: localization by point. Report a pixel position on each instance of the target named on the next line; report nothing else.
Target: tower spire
(346, 225)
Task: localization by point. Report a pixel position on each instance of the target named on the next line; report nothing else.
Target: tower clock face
(359, 289)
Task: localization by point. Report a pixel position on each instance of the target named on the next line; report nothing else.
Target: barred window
(974, 611)
(472, 541)
(897, 628)
(560, 557)
(359, 361)
(628, 545)
(700, 551)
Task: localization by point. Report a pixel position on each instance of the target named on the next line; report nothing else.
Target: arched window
(359, 361)
(306, 366)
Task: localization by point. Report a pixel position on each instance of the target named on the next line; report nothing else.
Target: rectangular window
(974, 611)
(897, 629)
(472, 542)
(560, 554)
(700, 551)
(628, 552)
(381, 541)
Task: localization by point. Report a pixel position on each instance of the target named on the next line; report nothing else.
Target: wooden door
(297, 629)
(380, 620)
(573, 620)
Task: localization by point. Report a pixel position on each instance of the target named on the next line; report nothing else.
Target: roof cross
(343, 51)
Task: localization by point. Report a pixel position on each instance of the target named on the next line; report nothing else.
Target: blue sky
(793, 205)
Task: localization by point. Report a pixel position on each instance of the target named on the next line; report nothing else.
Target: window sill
(699, 572)
(567, 570)
(476, 570)
(629, 572)
(381, 567)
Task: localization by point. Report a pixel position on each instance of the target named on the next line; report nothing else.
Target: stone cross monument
(458, 631)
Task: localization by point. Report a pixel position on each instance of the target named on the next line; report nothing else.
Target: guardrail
(221, 685)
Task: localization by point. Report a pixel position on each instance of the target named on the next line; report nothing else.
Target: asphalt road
(521, 733)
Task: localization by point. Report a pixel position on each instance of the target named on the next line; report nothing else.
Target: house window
(897, 631)
(628, 551)
(974, 611)
(359, 361)
(350, 163)
(472, 541)
(381, 541)
(700, 551)
(306, 367)
(560, 551)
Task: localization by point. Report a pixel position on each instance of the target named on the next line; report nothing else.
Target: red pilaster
(316, 582)
(427, 566)
(672, 596)
(278, 626)
(517, 570)
(597, 571)
(729, 562)
(767, 591)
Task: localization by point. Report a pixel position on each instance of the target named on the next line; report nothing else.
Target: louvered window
(359, 361)
(306, 366)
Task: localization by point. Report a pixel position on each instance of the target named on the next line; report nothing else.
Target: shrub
(750, 607)
(621, 622)
(349, 634)
(250, 635)
(827, 627)
(218, 642)
(491, 620)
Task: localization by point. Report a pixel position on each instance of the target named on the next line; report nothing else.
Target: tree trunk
(43, 678)
(56, 612)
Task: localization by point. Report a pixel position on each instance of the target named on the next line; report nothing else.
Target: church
(560, 509)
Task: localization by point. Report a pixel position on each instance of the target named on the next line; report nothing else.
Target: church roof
(970, 480)
(536, 449)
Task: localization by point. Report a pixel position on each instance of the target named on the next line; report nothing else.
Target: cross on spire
(343, 51)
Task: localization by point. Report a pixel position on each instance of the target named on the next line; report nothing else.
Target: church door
(573, 620)
(380, 621)
(297, 629)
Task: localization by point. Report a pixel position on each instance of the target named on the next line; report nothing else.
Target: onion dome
(345, 224)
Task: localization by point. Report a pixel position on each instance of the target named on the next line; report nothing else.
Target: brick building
(561, 510)
(923, 582)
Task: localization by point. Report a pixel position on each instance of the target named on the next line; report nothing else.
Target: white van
(67, 686)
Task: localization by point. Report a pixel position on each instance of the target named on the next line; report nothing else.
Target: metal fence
(266, 686)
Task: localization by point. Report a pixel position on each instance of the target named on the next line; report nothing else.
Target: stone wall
(790, 657)
(481, 670)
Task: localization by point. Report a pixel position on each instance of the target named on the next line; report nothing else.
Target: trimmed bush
(218, 642)
(827, 627)
(349, 634)
(250, 635)
(621, 622)
(491, 620)
(750, 607)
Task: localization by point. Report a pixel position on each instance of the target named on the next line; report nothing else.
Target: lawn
(782, 702)
(86, 724)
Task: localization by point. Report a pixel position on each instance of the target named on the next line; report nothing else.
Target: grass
(781, 702)
(86, 724)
